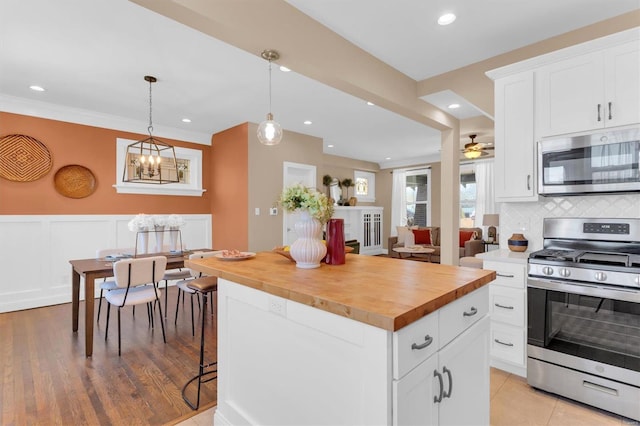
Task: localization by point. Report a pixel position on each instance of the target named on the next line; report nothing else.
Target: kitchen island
(373, 341)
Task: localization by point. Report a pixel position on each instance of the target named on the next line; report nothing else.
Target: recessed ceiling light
(186, 120)
(307, 122)
(329, 146)
(284, 69)
(446, 19)
(37, 88)
(454, 106)
(370, 103)
(387, 158)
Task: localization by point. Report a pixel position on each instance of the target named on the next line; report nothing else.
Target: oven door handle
(585, 289)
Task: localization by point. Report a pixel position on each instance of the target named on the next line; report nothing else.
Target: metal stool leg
(202, 367)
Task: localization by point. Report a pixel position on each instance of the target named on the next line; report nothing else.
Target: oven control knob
(547, 270)
(601, 276)
(564, 272)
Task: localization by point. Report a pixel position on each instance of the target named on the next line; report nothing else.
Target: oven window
(601, 164)
(603, 330)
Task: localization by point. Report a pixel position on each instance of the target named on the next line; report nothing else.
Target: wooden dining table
(92, 269)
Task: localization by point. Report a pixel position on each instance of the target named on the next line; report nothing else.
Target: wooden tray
(23, 158)
(74, 181)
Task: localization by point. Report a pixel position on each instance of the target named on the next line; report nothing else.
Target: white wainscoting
(36, 250)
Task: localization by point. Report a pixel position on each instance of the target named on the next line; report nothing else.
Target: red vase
(335, 242)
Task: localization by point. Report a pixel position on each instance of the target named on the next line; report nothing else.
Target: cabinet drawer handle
(502, 343)
(528, 182)
(599, 113)
(504, 275)
(502, 306)
(448, 373)
(471, 312)
(427, 341)
(438, 398)
(610, 116)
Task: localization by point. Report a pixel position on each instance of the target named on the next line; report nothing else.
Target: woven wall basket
(23, 158)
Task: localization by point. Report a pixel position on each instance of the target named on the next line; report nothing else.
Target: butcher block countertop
(383, 292)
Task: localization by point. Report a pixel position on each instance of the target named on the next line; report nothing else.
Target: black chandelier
(150, 160)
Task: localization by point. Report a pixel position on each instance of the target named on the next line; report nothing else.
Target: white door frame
(294, 173)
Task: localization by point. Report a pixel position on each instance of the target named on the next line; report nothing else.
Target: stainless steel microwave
(602, 162)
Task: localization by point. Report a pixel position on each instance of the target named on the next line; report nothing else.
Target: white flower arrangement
(175, 221)
(141, 222)
(299, 197)
(159, 221)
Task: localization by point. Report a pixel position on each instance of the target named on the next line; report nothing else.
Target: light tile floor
(514, 402)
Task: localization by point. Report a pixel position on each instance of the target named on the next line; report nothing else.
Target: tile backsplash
(527, 218)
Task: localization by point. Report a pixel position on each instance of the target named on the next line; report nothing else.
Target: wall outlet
(273, 211)
(257, 210)
(278, 306)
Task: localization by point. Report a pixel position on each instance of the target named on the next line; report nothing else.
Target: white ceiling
(91, 57)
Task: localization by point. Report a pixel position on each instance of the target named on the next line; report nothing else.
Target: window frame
(193, 188)
(417, 172)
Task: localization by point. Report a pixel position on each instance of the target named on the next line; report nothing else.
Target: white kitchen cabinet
(363, 223)
(514, 138)
(591, 91)
(283, 362)
(451, 377)
(507, 310)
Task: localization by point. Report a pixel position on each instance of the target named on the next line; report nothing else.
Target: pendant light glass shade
(270, 131)
(150, 160)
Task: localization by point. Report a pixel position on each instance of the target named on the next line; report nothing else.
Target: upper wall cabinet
(515, 147)
(590, 91)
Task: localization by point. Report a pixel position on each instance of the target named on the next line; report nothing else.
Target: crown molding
(16, 105)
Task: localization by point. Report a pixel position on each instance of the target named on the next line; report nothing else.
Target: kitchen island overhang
(321, 346)
(383, 292)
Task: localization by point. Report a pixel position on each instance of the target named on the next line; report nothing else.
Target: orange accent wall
(94, 148)
(229, 183)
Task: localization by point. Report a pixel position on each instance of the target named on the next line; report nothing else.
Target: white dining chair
(109, 283)
(136, 284)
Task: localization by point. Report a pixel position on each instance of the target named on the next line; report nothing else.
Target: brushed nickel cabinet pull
(470, 313)
(427, 341)
(502, 343)
(528, 182)
(502, 306)
(446, 371)
(610, 116)
(505, 275)
(599, 113)
(438, 398)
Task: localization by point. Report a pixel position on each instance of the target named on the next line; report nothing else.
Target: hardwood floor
(46, 379)
(513, 402)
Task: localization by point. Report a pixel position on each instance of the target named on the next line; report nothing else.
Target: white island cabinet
(287, 363)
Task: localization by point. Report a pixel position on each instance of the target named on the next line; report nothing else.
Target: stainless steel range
(583, 300)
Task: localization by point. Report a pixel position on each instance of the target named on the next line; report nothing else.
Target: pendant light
(270, 131)
(150, 160)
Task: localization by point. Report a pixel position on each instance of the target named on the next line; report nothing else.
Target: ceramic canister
(517, 242)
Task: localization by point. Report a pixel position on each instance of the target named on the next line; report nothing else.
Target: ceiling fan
(473, 149)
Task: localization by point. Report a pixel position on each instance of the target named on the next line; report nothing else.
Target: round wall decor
(74, 181)
(23, 158)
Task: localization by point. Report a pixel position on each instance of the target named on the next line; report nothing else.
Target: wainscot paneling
(36, 251)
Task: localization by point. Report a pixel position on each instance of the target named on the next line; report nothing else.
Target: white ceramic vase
(143, 242)
(173, 235)
(159, 237)
(308, 250)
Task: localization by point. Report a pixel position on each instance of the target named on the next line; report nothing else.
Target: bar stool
(204, 286)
